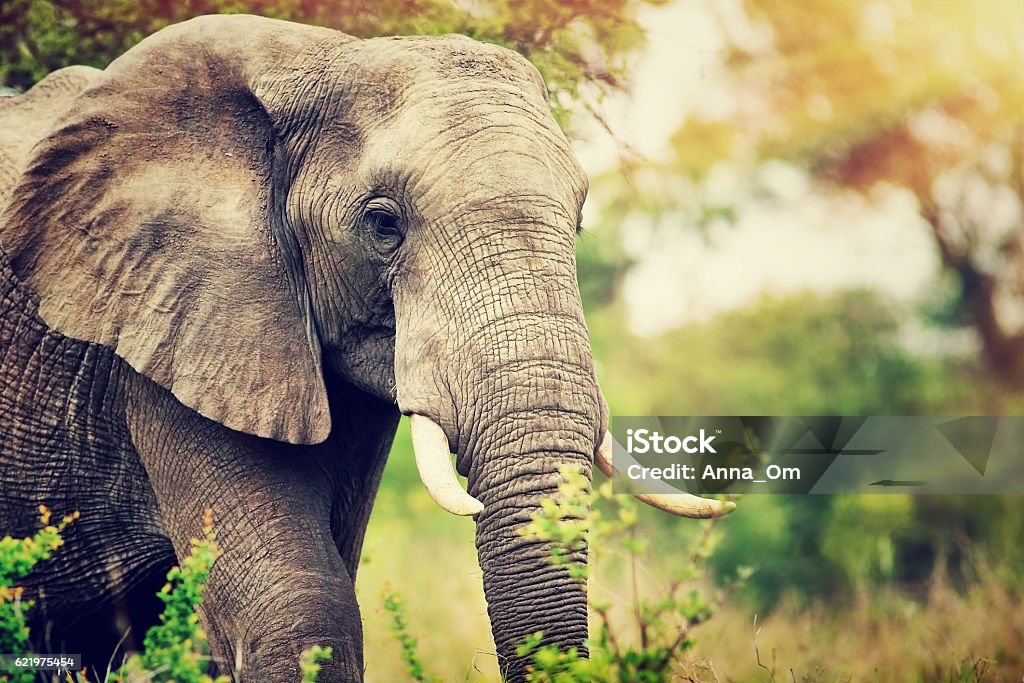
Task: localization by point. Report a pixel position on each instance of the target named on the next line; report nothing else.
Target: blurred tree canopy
(908, 93)
(581, 47)
(805, 354)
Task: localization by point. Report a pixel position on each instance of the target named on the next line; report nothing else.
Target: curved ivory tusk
(682, 504)
(433, 460)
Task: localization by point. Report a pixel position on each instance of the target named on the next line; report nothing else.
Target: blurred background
(797, 207)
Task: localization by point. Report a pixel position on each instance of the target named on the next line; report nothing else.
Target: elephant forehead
(386, 73)
(457, 58)
(498, 152)
(444, 106)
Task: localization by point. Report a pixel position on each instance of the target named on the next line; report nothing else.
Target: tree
(581, 47)
(911, 94)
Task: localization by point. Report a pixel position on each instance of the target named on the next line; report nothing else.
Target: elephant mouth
(433, 460)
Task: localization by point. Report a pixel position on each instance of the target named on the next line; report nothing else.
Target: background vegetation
(862, 100)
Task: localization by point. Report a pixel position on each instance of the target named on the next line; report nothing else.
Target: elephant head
(238, 204)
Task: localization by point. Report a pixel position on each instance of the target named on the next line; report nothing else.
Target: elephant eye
(384, 223)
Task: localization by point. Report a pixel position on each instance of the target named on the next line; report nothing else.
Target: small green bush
(311, 660)
(393, 605)
(175, 650)
(663, 626)
(17, 558)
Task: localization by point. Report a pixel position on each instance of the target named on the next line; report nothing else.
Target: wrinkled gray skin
(203, 303)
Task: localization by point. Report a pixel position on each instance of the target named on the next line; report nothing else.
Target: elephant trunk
(512, 453)
(525, 591)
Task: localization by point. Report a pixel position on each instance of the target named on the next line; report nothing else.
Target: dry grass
(946, 635)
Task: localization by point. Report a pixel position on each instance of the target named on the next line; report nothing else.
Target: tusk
(682, 504)
(433, 460)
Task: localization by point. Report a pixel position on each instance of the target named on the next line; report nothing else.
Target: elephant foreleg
(281, 585)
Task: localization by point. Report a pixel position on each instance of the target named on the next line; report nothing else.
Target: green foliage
(17, 558)
(565, 522)
(393, 605)
(838, 547)
(782, 537)
(813, 354)
(861, 533)
(175, 649)
(810, 354)
(310, 661)
(663, 625)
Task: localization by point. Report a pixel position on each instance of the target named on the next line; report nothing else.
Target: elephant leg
(281, 585)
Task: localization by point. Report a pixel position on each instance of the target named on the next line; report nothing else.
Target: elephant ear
(147, 221)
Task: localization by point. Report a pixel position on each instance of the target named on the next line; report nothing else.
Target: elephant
(231, 260)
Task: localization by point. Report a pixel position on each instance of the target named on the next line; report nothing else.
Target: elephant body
(64, 442)
(230, 261)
